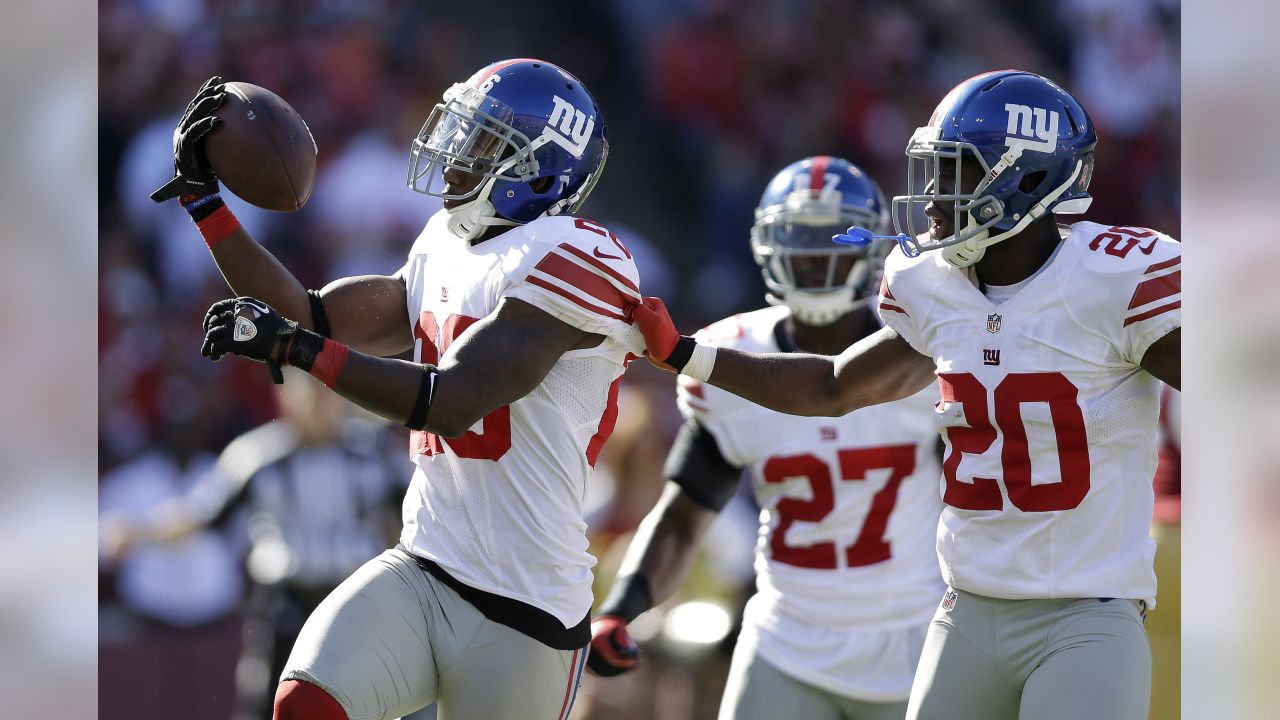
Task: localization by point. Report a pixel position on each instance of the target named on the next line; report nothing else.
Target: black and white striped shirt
(311, 514)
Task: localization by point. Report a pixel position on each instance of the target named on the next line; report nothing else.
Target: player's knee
(300, 700)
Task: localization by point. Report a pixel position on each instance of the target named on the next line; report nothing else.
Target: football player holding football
(514, 311)
(1047, 343)
(848, 578)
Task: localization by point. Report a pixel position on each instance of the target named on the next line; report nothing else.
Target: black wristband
(319, 316)
(629, 598)
(203, 206)
(679, 357)
(303, 349)
(426, 392)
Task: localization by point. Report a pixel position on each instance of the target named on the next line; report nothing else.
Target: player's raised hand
(613, 652)
(660, 334)
(191, 172)
(247, 327)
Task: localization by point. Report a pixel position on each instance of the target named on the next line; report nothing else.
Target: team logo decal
(244, 329)
(804, 183)
(573, 126)
(1031, 128)
(949, 600)
(990, 356)
(993, 323)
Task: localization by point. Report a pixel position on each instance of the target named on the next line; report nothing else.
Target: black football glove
(613, 652)
(247, 327)
(191, 172)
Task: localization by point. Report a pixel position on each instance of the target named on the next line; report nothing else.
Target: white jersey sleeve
(1140, 299)
(582, 274)
(904, 304)
(1154, 306)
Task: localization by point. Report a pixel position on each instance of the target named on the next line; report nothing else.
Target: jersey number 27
(870, 547)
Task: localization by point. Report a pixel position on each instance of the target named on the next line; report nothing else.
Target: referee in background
(309, 497)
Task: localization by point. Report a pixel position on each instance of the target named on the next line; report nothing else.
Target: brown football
(262, 150)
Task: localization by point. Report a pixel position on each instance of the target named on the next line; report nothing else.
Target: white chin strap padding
(816, 308)
(468, 221)
(968, 252)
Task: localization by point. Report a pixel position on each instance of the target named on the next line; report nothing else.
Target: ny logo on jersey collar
(993, 323)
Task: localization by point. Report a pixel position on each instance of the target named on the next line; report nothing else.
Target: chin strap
(971, 251)
(816, 308)
(469, 221)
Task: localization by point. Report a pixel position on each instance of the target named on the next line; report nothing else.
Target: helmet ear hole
(542, 184)
(1031, 181)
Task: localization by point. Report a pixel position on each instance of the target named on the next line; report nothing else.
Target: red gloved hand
(660, 334)
(613, 652)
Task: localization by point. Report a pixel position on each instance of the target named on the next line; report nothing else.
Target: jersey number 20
(1059, 394)
(494, 439)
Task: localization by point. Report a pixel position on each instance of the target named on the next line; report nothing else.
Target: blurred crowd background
(705, 100)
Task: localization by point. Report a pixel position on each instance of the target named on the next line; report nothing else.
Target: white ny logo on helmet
(573, 125)
(1027, 128)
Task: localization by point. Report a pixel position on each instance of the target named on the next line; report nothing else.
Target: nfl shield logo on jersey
(949, 600)
(993, 323)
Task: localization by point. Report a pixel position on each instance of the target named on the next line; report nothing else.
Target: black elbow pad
(696, 464)
(426, 393)
(319, 317)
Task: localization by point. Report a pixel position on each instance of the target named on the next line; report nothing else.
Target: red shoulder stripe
(571, 273)
(583, 303)
(884, 288)
(1159, 288)
(601, 267)
(1162, 265)
(893, 308)
(1152, 313)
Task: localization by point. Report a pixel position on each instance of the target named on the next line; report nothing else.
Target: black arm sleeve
(696, 464)
(319, 317)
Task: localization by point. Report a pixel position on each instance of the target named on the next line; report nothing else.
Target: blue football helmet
(532, 132)
(801, 209)
(1034, 142)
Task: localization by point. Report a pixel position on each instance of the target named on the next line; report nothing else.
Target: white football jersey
(500, 508)
(849, 508)
(1050, 421)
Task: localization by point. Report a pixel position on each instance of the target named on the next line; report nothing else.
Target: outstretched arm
(495, 362)
(879, 368)
(369, 313)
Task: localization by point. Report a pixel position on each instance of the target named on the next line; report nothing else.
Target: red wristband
(218, 226)
(329, 362)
